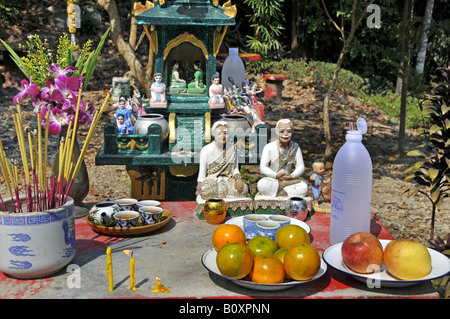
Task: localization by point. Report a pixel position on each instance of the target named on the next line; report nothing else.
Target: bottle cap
(362, 125)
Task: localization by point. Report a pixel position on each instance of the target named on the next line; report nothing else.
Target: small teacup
(126, 218)
(267, 228)
(151, 214)
(283, 220)
(127, 203)
(147, 202)
(249, 222)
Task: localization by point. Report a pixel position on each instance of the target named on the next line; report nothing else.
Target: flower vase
(80, 186)
(37, 244)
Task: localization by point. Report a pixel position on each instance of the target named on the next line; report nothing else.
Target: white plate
(440, 266)
(239, 222)
(209, 261)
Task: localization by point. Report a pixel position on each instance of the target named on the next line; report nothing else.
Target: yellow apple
(407, 259)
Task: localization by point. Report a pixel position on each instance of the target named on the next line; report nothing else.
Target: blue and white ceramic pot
(103, 213)
(37, 244)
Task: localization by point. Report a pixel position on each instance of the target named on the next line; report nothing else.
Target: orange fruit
(262, 246)
(225, 234)
(267, 270)
(234, 260)
(301, 262)
(280, 253)
(291, 235)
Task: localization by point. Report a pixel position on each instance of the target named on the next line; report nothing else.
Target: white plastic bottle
(351, 189)
(233, 67)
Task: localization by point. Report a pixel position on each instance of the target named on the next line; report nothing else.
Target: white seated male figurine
(282, 165)
(219, 174)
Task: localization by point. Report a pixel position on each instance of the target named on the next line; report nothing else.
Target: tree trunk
(347, 40)
(404, 90)
(326, 102)
(295, 24)
(133, 27)
(423, 43)
(136, 68)
(407, 12)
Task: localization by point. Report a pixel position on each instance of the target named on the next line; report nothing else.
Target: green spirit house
(185, 36)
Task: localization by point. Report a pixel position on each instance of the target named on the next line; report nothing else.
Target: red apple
(362, 252)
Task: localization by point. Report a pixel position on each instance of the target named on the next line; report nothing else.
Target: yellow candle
(132, 279)
(109, 269)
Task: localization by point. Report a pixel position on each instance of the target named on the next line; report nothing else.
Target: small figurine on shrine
(158, 90)
(236, 98)
(219, 175)
(124, 110)
(282, 165)
(177, 84)
(252, 92)
(197, 86)
(215, 93)
(122, 125)
(252, 117)
(139, 108)
(318, 180)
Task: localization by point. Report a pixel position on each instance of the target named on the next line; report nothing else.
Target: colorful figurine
(197, 86)
(219, 175)
(139, 108)
(252, 117)
(124, 110)
(158, 90)
(216, 100)
(318, 180)
(282, 165)
(122, 125)
(177, 84)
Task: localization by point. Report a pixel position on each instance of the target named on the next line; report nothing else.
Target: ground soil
(408, 218)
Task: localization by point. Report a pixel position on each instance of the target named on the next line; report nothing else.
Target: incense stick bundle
(92, 129)
(43, 192)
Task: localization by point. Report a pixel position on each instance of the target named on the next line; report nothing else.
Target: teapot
(103, 213)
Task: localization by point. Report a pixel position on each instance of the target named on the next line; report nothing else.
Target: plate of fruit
(386, 263)
(262, 263)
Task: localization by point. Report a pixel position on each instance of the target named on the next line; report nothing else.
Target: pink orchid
(56, 69)
(68, 86)
(27, 90)
(55, 120)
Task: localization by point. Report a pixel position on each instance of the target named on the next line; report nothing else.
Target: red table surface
(332, 285)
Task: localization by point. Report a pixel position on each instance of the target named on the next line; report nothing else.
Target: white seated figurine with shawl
(219, 175)
(282, 165)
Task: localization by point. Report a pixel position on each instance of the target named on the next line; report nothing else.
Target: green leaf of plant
(17, 60)
(413, 190)
(416, 153)
(433, 173)
(434, 128)
(92, 61)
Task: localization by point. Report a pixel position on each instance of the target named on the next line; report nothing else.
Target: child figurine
(215, 93)
(123, 109)
(318, 179)
(122, 125)
(158, 90)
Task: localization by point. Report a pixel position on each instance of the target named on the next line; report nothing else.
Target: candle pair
(109, 269)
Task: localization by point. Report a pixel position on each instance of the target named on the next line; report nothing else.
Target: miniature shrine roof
(188, 12)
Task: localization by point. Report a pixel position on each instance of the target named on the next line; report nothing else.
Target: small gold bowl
(215, 211)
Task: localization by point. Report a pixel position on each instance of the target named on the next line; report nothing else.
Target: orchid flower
(59, 97)
(27, 90)
(68, 86)
(56, 69)
(55, 120)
